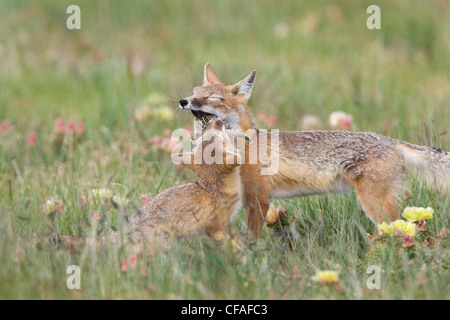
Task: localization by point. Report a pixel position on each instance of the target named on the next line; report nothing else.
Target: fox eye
(215, 98)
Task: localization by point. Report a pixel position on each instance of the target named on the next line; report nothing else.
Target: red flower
(124, 265)
(133, 261)
(271, 121)
(421, 225)
(96, 215)
(80, 128)
(407, 241)
(59, 125)
(145, 198)
(70, 127)
(4, 127)
(32, 139)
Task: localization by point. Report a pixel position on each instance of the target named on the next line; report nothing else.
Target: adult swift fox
(317, 162)
(189, 210)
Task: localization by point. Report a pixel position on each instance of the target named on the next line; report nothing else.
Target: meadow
(82, 111)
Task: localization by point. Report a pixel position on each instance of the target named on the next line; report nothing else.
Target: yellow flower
(156, 99)
(143, 114)
(52, 205)
(326, 277)
(120, 200)
(102, 194)
(417, 213)
(164, 113)
(386, 228)
(405, 227)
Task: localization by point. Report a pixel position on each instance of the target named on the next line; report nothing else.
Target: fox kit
(317, 162)
(189, 210)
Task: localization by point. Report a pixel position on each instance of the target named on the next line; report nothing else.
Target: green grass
(394, 81)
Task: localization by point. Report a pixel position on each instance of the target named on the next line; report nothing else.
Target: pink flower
(421, 225)
(96, 215)
(271, 121)
(444, 233)
(4, 127)
(70, 127)
(32, 139)
(340, 120)
(80, 128)
(124, 265)
(407, 241)
(167, 133)
(59, 125)
(170, 144)
(145, 198)
(133, 261)
(263, 116)
(156, 141)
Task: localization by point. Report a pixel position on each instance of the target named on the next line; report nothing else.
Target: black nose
(183, 102)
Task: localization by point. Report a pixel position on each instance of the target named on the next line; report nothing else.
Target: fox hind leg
(379, 187)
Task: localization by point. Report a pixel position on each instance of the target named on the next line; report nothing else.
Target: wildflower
(145, 198)
(4, 127)
(120, 200)
(443, 233)
(96, 215)
(59, 126)
(309, 122)
(407, 241)
(133, 261)
(124, 265)
(386, 228)
(52, 205)
(170, 145)
(32, 139)
(164, 114)
(263, 116)
(167, 133)
(421, 225)
(417, 213)
(405, 227)
(157, 99)
(326, 277)
(398, 227)
(266, 119)
(157, 142)
(102, 194)
(70, 127)
(80, 128)
(340, 120)
(271, 122)
(143, 114)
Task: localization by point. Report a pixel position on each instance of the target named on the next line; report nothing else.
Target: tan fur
(318, 162)
(190, 210)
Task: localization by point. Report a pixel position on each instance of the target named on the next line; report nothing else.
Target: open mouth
(203, 117)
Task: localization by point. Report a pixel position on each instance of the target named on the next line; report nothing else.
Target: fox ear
(245, 86)
(209, 77)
